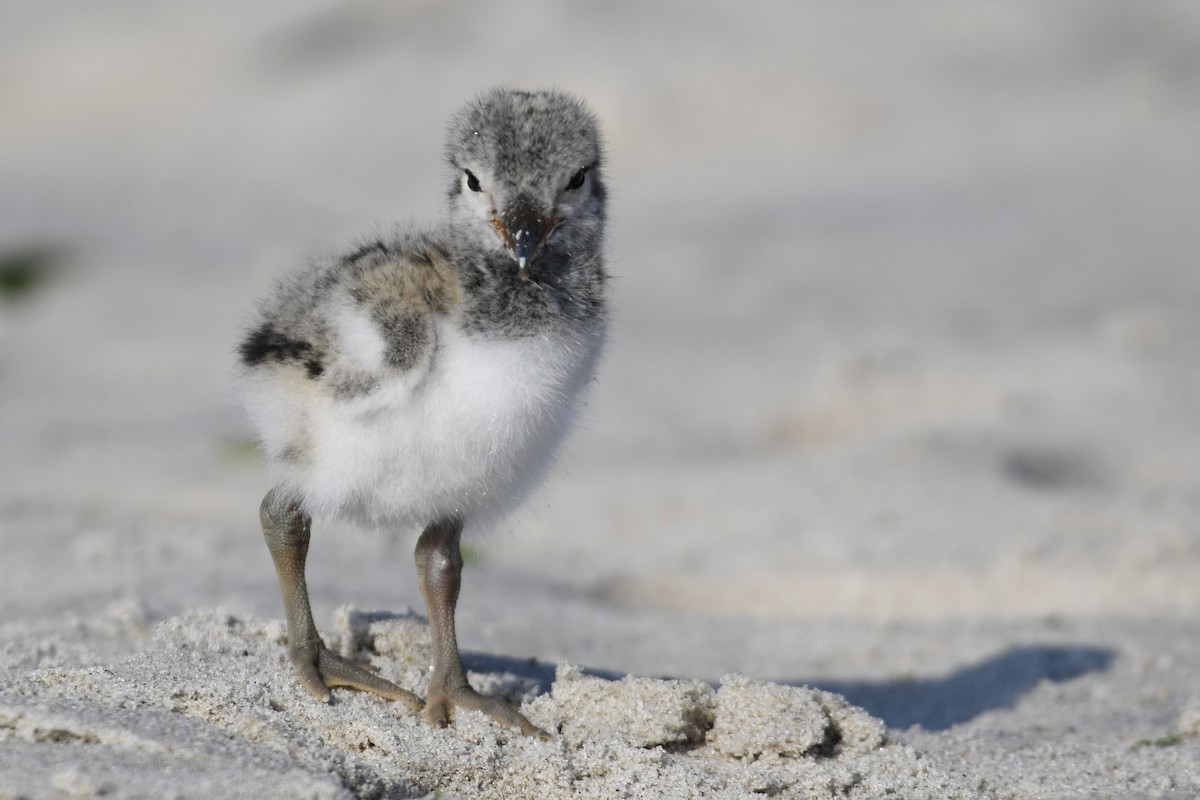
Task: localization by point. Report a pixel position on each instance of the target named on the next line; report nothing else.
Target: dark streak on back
(265, 343)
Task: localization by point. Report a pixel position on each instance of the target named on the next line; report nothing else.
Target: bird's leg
(439, 568)
(286, 528)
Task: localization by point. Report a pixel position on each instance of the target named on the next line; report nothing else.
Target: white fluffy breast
(468, 434)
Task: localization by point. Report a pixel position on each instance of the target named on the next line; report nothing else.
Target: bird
(425, 379)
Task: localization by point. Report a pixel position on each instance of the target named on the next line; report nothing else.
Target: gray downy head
(526, 179)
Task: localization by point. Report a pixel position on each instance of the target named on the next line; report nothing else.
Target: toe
(503, 712)
(338, 671)
(437, 713)
(310, 679)
(319, 670)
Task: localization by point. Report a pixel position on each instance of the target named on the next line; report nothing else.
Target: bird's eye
(577, 178)
(472, 181)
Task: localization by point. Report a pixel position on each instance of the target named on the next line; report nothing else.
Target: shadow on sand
(531, 670)
(932, 703)
(997, 682)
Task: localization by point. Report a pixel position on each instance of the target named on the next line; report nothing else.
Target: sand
(208, 707)
(886, 488)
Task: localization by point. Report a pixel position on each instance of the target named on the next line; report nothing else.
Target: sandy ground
(900, 406)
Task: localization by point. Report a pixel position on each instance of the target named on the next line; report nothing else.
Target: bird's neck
(559, 293)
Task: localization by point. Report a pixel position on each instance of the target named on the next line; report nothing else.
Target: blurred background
(907, 303)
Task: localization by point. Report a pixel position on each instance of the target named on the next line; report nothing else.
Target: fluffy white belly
(469, 436)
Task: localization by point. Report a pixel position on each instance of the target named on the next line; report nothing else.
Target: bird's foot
(320, 669)
(442, 698)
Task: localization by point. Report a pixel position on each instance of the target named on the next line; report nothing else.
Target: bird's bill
(523, 228)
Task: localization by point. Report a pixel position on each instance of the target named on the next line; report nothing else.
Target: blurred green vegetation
(239, 450)
(25, 270)
(1165, 741)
